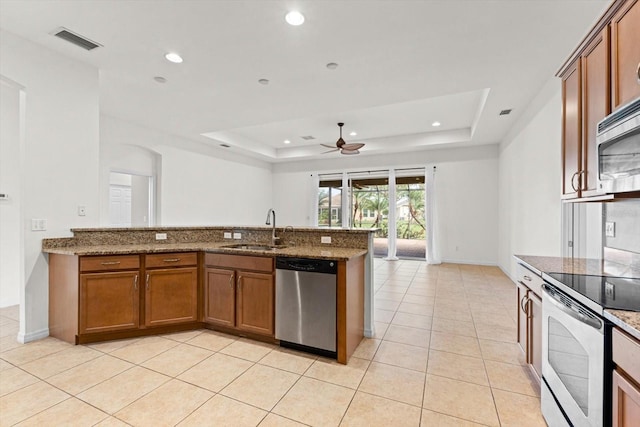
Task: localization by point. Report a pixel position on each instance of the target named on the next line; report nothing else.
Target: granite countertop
(627, 320)
(318, 252)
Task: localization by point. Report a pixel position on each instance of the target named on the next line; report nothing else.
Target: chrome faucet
(274, 239)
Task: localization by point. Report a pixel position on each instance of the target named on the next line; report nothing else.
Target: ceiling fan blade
(352, 146)
(349, 152)
(328, 146)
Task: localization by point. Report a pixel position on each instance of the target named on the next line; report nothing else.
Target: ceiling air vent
(504, 112)
(76, 39)
(308, 137)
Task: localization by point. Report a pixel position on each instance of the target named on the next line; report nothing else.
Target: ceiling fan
(343, 146)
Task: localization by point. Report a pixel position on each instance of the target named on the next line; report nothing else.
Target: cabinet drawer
(240, 262)
(109, 263)
(626, 353)
(180, 259)
(529, 279)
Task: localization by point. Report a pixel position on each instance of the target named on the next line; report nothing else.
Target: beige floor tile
(455, 327)
(248, 349)
(71, 412)
(502, 352)
(412, 320)
(288, 360)
(383, 304)
(367, 410)
(82, 377)
(456, 366)
(460, 399)
(382, 315)
(178, 359)
(459, 344)
(222, 411)
(367, 348)
(515, 378)
(407, 335)
(14, 379)
(273, 420)
(214, 341)
(26, 353)
(261, 386)
(435, 419)
(390, 296)
(330, 371)
(518, 410)
(315, 402)
(177, 398)
(109, 346)
(123, 389)
(216, 372)
(183, 336)
(53, 364)
(403, 355)
(394, 383)
(28, 401)
(144, 349)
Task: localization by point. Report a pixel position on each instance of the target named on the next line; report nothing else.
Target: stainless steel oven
(573, 361)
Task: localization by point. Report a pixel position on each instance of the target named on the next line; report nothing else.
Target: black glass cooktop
(618, 293)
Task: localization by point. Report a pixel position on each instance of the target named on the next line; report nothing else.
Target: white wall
(529, 184)
(60, 169)
(10, 236)
(467, 195)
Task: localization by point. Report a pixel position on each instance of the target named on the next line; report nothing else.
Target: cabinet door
(522, 317)
(625, 48)
(571, 130)
(625, 402)
(171, 296)
(535, 333)
(255, 302)
(219, 297)
(109, 302)
(596, 105)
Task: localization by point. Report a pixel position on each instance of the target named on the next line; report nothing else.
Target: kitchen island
(116, 283)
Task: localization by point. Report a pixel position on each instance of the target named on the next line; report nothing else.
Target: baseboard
(33, 336)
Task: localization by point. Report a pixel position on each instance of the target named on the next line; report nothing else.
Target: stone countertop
(318, 252)
(627, 320)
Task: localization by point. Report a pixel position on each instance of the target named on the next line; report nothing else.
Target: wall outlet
(227, 234)
(610, 229)
(161, 236)
(82, 211)
(38, 224)
(325, 239)
(237, 236)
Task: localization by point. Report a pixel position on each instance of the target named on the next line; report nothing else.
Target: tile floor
(444, 354)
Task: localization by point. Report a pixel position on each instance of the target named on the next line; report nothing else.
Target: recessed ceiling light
(160, 79)
(294, 18)
(173, 57)
(352, 133)
(332, 65)
(263, 81)
(286, 141)
(435, 124)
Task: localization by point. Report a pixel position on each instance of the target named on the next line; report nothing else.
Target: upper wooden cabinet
(601, 75)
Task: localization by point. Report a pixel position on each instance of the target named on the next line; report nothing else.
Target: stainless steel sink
(253, 247)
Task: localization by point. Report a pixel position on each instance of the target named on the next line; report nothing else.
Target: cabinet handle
(522, 304)
(147, 281)
(527, 278)
(135, 283)
(110, 263)
(171, 259)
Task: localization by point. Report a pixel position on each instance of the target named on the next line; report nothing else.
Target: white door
(119, 206)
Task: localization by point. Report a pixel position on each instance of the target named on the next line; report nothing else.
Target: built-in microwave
(618, 141)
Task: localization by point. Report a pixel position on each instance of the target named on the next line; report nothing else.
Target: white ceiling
(402, 65)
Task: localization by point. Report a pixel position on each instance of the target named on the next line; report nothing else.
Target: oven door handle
(594, 323)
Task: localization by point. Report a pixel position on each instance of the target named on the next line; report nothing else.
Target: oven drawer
(626, 353)
(530, 279)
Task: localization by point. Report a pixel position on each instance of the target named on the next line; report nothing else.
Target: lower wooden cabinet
(171, 296)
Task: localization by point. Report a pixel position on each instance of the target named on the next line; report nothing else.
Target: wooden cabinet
(625, 48)
(171, 289)
(530, 318)
(240, 293)
(625, 380)
(600, 76)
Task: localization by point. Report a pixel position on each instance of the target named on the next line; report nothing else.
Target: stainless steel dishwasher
(306, 304)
